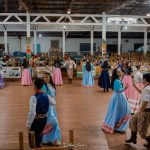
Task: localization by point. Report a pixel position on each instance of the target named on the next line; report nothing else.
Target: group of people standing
(129, 105)
(56, 74)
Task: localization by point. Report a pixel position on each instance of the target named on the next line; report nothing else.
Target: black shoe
(107, 90)
(148, 142)
(122, 132)
(69, 80)
(131, 141)
(48, 144)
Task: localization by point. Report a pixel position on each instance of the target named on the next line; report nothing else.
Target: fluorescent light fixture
(40, 35)
(148, 15)
(114, 19)
(118, 20)
(69, 11)
(125, 27)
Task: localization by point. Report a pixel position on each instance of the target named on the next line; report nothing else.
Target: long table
(11, 72)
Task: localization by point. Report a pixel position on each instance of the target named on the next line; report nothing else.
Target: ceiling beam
(119, 6)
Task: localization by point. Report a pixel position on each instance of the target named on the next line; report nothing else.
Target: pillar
(64, 43)
(5, 41)
(145, 41)
(92, 42)
(35, 42)
(119, 41)
(104, 47)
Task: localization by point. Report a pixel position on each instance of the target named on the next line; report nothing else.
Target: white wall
(72, 44)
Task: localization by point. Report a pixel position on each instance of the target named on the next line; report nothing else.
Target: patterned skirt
(57, 77)
(118, 114)
(26, 77)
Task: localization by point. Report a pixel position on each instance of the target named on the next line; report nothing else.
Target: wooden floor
(80, 109)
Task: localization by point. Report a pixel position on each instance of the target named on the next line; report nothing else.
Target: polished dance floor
(78, 108)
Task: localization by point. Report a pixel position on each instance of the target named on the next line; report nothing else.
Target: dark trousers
(38, 126)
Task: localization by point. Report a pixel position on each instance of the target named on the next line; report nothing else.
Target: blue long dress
(118, 115)
(104, 81)
(52, 130)
(87, 79)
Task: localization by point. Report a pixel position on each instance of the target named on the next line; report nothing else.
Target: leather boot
(132, 138)
(70, 80)
(148, 140)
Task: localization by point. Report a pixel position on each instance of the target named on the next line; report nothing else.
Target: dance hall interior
(74, 74)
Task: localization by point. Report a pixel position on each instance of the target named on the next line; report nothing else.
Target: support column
(104, 46)
(28, 37)
(145, 41)
(119, 41)
(28, 25)
(64, 44)
(35, 42)
(5, 41)
(92, 42)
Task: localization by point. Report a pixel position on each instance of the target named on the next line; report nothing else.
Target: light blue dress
(118, 115)
(87, 79)
(51, 132)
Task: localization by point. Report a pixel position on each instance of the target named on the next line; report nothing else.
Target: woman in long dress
(57, 76)
(134, 100)
(118, 114)
(104, 81)
(87, 80)
(51, 133)
(26, 75)
(127, 80)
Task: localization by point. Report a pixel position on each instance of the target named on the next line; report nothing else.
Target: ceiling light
(148, 15)
(64, 27)
(40, 35)
(125, 27)
(108, 21)
(69, 11)
(118, 20)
